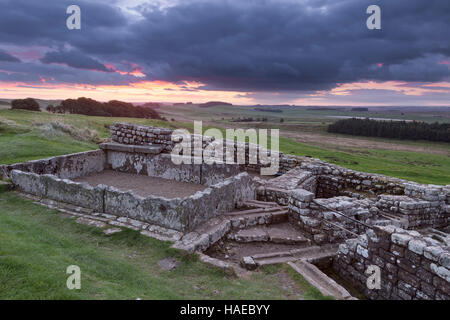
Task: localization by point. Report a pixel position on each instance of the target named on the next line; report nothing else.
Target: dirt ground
(142, 185)
(341, 143)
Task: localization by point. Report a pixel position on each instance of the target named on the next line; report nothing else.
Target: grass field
(298, 114)
(38, 244)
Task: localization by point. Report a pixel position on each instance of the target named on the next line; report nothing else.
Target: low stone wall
(417, 213)
(412, 266)
(272, 194)
(66, 167)
(182, 214)
(63, 190)
(126, 133)
(334, 180)
(131, 134)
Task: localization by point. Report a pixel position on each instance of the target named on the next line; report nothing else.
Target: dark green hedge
(412, 130)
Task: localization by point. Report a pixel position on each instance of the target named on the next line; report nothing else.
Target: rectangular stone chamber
(137, 182)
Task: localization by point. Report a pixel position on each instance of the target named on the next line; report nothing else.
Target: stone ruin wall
(413, 267)
(65, 167)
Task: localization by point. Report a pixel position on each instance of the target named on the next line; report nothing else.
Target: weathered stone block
(302, 195)
(29, 183)
(79, 194)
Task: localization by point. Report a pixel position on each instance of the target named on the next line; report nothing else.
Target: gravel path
(142, 185)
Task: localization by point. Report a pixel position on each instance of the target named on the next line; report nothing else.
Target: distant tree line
(113, 108)
(25, 104)
(413, 130)
(214, 104)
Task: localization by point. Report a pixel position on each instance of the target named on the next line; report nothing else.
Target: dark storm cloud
(243, 45)
(75, 59)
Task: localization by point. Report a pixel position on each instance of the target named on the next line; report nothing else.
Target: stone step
(147, 149)
(259, 218)
(282, 233)
(215, 229)
(326, 285)
(309, 253)
(275, 260)
(260, 204)
(251, 211)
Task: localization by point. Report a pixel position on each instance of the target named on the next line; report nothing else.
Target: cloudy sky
(305, 52)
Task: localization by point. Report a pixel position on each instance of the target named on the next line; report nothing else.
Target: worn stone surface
(168, 264)
(111, 231)
(29, 182)
(65, 167)
(91, 222)
(248, 263)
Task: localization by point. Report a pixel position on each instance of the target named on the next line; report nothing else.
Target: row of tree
(91, 107)
(113, 108)
(412, 130)
(25, 104)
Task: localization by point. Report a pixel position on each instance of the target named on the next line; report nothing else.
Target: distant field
(298, 114)
(26, 135)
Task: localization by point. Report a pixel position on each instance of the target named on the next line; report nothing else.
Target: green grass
(38, 244)
(24, 141)
(312, 293)
(414, 166)
(20, 147)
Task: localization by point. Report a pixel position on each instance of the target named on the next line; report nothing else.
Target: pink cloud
(136, 71)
